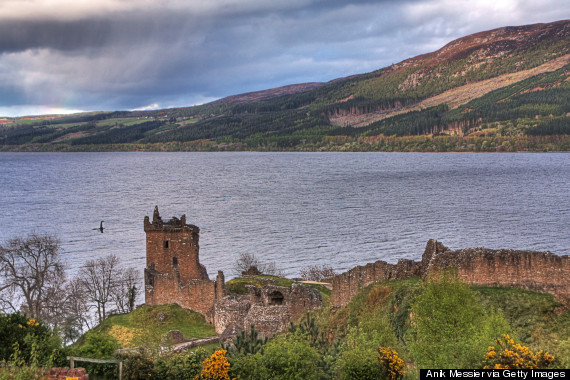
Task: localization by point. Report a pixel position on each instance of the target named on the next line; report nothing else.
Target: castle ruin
(538, 271)
(173, 274)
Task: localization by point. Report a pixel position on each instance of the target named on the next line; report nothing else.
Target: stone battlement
(539, 271)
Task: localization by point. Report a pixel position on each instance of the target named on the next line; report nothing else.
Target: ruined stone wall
(539, 271)
(346, 285)
(197, 295)
(230, 313)
(270, 309)
(268, 320)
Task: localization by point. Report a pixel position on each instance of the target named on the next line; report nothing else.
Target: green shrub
(17, 328)
(183, 366)
(357, 364)
(450, 328)
(291, 357)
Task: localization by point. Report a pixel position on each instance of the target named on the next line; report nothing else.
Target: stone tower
(173, 272)
(172, 247)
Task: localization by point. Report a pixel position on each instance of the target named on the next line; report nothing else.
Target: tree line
(34, 281)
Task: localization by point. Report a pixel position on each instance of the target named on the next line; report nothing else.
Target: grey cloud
(180, 54)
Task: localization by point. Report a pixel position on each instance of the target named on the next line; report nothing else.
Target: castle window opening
(175, 262)
(276, 298)
(166, 244)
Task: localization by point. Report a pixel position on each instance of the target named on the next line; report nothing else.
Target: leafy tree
(308, 327)
(98, 346)
(245, 344)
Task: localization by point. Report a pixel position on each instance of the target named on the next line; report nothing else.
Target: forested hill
(505, 89)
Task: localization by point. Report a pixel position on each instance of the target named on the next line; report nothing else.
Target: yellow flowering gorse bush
(392, 364)
(216, 367)
(513, 355)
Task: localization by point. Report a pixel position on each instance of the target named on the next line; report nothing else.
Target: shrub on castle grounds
(288, 356)
(215, 367)
(18, 368)
(29, 335)
(449, 327)
(142, 364)
(359, 364)
(392, 365)
(511, 355)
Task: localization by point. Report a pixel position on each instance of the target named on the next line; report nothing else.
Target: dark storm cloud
(121, 54)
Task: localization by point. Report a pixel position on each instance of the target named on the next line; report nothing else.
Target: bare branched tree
(126, 290)
(247, 262)
(78, 309)
(99, 279)
(32, 275)
(32, 280)
(318, 273)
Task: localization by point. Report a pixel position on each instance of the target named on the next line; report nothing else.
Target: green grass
(149, 325)
(537, 319)
(534, 319)
(238, 285)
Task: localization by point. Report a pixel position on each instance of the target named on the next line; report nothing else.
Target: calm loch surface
(297, 209)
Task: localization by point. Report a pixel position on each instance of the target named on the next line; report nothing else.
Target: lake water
(296, 209)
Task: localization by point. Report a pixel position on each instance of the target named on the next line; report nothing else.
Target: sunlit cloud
(30, 110)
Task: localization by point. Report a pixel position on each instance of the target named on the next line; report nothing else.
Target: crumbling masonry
(173, 274)
(539, 271)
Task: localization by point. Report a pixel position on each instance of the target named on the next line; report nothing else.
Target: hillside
(429, 323)
(507, 89)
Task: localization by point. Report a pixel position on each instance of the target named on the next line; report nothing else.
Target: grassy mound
(413, 317)
(148, 326)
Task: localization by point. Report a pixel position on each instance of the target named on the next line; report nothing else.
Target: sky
(62, 56)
